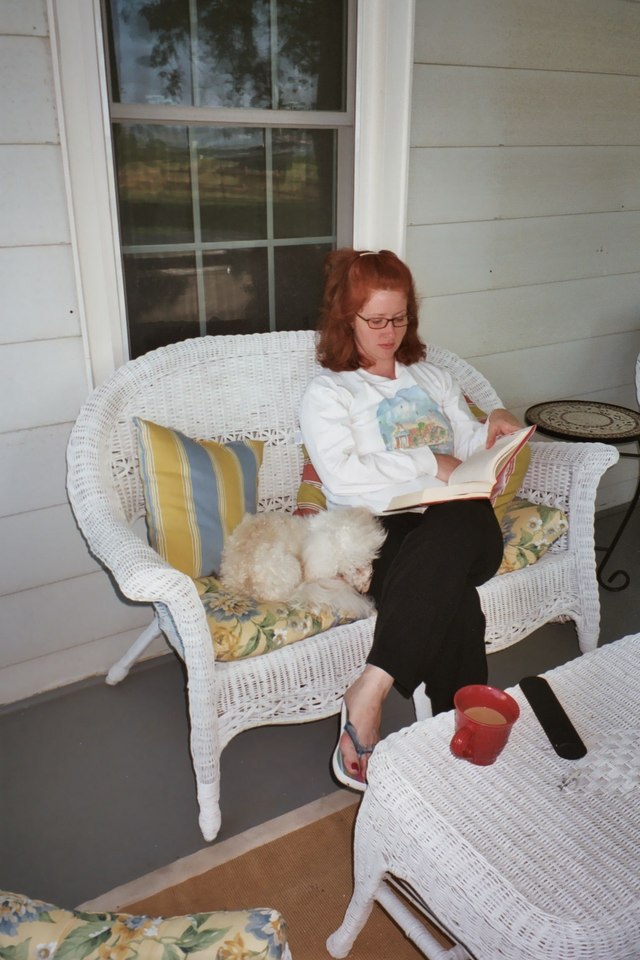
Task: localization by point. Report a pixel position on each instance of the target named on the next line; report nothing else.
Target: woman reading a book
(380, 419)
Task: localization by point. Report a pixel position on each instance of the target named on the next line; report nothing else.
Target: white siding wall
(524, 196)
(60, 619)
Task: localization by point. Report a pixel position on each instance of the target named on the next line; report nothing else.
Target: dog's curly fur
(314, 561)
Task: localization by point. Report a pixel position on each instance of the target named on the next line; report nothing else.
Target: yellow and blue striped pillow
(196, 492)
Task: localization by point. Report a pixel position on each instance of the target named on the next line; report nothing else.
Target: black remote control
(562, 734)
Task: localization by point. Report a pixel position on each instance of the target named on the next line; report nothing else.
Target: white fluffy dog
(319, 560)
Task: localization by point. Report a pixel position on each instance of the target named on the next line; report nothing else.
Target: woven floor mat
(307, 875)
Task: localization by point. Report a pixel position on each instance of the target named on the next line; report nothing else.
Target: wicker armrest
(144, 576)
(141, 573)
(566, 475)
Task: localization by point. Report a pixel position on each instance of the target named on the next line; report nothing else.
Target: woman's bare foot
(364, 700)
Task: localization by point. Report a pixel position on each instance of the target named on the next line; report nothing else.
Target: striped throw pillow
(310, 499)
(196, 492)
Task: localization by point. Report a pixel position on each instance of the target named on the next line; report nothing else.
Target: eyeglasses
(379, 323)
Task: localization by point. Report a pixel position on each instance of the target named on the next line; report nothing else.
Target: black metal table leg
(609, 550)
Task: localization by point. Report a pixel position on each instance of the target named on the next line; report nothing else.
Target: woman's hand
(446, 465)
(501, 423)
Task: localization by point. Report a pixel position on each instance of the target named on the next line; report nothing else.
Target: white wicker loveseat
(234, 387)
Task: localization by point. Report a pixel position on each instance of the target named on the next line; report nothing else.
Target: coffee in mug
(484, 715)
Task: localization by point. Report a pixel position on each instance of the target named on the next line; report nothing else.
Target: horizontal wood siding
(26, 677)
(581, 36)
(24, 18)
(528, 316)
(33, 469)
(489, 254)
(62, 615)
(25, 66)
(492, 107)
(523, 221)
(42, 541)
(36, 399)
(60, 618)
(46, 309)
(491, 183)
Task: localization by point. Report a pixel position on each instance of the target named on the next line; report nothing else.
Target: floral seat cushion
(242, 627)
(528, 530)
(33, 930)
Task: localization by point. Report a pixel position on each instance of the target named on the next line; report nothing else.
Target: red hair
(351, 276)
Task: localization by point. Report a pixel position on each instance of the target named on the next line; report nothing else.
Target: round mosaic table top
(585, 420)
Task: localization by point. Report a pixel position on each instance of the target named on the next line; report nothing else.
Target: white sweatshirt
(371, 438)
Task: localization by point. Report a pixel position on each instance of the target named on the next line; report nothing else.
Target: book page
(486, 464)
(475, 477)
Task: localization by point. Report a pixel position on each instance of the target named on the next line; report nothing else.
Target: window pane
(299, 278)
(154, 183)
(303, 183)
(236, 291)
(232, 184)
(287, 55)
(234, 63)
(311, 54)
(162, 303)
(150, 51)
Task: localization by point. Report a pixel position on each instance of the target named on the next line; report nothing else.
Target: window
(383, 82)
(232, 131)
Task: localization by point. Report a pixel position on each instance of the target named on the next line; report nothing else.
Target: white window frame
(383, 108)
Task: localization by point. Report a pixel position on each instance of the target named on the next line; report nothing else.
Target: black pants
(430, 626)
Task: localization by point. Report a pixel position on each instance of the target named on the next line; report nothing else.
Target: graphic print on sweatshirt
(411, 419)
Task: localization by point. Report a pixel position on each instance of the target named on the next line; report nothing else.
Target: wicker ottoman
(533, 858)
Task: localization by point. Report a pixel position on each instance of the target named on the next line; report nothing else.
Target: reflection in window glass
(150, 51)
(194, 190)
(311, 54)
(154, 183)
(232, 183)
(161, 294)
(287, 55)
(234, 47)
(299, 277)
(303, 164)
(236, 291)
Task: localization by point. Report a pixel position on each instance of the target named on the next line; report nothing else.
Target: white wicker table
(533, 858)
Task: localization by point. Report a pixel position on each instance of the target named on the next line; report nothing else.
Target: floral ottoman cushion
(33, 930)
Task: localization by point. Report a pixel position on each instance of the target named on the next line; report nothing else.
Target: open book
(482, 475)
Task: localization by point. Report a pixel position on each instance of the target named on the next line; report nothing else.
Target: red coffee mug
(484, 717)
